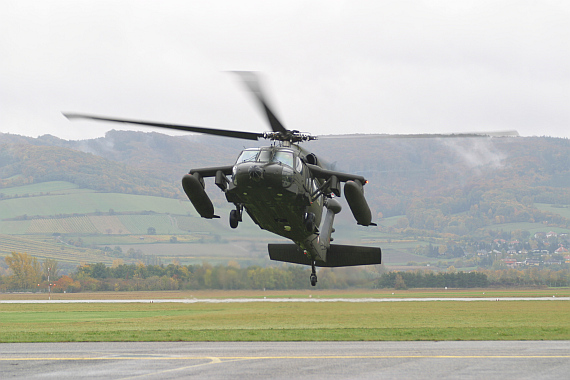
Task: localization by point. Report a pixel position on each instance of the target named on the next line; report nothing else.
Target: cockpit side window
(248, 155)
(286, 158)
(264, 156)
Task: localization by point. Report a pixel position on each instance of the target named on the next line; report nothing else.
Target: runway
(286, 360)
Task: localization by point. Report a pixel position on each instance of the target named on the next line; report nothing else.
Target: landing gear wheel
(313, 275)
(313, 279)
(234, 218)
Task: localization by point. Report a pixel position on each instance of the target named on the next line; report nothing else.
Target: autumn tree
(399, 284)
(26, 270)
(66, 284)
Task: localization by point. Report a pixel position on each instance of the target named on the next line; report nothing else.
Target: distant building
(512, 263)
(482, 252)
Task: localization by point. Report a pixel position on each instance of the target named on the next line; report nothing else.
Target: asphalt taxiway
(286, 360)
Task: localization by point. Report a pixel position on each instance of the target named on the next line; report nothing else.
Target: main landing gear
(235, 216)
(313, 275)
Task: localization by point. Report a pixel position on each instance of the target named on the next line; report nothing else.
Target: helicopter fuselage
(278, 191)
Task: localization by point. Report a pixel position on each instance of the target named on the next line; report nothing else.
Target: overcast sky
(330, 67)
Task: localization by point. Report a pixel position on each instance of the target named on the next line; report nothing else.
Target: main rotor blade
(208, 131)
(251, 80)
(421, 135)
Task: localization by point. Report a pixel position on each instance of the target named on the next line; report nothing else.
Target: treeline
(503, 278)
(405, 280)
(135, 277)
(533, 276)
(25, 273)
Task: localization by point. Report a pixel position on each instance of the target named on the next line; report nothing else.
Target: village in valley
(546, 248)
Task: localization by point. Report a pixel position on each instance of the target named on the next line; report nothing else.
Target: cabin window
(298, 165)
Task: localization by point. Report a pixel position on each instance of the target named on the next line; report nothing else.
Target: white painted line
(285, 300)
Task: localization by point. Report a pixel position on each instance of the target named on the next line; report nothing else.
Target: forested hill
(528, 169)
(160, 156)
(22, 164)
(447, 185)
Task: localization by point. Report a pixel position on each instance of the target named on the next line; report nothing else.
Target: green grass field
(564, 211)
(90, 202)
(54, 187)
(291, 321)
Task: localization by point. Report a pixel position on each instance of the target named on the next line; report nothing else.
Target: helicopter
(284, 189)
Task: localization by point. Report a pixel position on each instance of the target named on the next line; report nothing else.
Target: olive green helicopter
(284, 189)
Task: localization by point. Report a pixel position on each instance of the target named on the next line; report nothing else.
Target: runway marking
(220, 359)
(286, 300)
(213, 360)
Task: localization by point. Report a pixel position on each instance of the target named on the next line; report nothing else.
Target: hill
(425, 180)
(22, 164)
(440, 191)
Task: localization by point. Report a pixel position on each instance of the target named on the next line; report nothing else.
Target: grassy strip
(513, 320)
(290, 335)
(306, 293)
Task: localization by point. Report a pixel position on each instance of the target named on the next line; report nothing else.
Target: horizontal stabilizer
(337, 255)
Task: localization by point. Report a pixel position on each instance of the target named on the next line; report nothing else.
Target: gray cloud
(331, 66)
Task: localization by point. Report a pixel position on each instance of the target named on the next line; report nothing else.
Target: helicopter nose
(255, 173)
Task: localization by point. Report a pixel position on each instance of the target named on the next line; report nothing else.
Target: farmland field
(62, 225)
(100, 219)
(88, 202)
(162, 223)
(108, 224)
(198, 253)
(19, 227)
(50, 249)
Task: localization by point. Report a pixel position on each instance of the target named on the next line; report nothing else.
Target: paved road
(309, 360)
